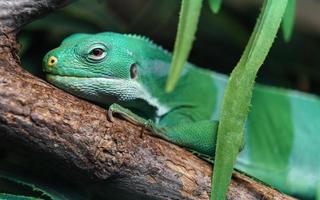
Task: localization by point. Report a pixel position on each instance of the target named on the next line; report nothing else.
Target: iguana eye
(96, 54)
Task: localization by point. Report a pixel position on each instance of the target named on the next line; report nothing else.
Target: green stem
(215, 5)
(288, 20)
(237, 97)
(189, 17)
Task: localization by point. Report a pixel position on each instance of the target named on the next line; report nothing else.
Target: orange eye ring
(52, 61)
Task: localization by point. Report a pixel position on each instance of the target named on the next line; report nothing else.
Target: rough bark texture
(77, 137)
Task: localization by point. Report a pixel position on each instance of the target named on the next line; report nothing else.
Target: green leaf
(189, 17)
(16, 197)
(237, 96)
(25, 186)
(14, 188)
(215, 5)
(288, 20)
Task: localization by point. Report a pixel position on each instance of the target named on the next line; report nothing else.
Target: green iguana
(128, 74)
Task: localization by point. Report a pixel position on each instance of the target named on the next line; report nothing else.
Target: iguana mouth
(75, 76)
(67, 75)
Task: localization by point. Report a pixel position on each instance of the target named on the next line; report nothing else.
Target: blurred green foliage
(220, 38)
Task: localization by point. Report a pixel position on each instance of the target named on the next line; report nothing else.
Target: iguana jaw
(59, 68)
(77, 75)
(97, 89)
(106, 90)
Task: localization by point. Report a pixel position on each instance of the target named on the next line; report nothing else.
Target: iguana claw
(110, 115)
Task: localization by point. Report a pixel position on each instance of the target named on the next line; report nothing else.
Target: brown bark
(74, 139)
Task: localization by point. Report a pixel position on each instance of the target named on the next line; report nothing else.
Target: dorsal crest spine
(149, 41)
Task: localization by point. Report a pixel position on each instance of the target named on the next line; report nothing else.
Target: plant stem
(188, 21)
(215, 5)
(237, 97)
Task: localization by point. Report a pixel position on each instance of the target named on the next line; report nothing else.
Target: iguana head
(105, 68)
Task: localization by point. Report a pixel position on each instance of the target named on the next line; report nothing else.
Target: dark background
(220, 40)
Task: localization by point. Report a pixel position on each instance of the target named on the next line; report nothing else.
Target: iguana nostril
(52, 61)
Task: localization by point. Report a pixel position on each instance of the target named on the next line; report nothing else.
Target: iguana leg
(197, 136)
(135, 119)
(125, 113)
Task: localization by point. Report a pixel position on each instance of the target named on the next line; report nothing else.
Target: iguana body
(282, 136)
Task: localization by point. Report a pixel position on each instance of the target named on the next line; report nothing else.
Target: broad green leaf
(215, 5)
(29, 187)
(288, 20)
(4, 196)
(14, 188)
(237, 96)
(188, 21)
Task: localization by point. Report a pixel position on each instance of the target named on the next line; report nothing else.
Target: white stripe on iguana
(101, 88)
(304, 162)
(161, 108)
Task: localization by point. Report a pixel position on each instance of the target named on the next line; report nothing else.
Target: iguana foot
(133, 118)
(125, 113)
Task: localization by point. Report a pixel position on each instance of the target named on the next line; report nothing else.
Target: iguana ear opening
(133, 71)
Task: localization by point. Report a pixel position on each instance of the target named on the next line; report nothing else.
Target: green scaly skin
(282, 136)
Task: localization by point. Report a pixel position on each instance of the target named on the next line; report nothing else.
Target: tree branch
(77, 137)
